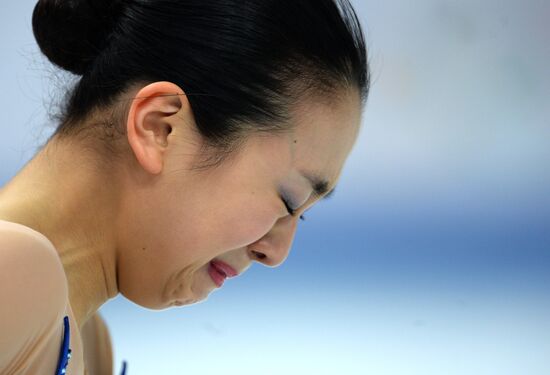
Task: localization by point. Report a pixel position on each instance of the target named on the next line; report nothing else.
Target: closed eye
(291, 211)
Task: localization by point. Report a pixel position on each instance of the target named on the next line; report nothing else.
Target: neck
(62, 194)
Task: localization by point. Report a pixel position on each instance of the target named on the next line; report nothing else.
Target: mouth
(219, 271)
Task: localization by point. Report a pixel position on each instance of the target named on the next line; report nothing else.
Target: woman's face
(177, 221)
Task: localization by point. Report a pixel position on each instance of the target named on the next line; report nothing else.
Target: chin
(184, 301)
(191, 301)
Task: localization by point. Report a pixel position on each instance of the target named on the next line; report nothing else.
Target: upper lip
(224, 268)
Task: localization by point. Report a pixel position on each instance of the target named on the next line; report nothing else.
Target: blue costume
(65, 354)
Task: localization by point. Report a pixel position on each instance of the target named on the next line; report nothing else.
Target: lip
(219, 271)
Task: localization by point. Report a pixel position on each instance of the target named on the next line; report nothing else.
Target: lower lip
(217, 277)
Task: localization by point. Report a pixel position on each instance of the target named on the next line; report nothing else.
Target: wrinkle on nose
(273, 248)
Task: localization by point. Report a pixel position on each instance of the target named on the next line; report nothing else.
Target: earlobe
(151, 121)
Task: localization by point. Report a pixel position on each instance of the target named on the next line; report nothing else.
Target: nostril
(259, 255)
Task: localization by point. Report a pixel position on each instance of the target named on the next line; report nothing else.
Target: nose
(273, 248)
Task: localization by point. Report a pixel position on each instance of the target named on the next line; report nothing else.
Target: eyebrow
(319, 185)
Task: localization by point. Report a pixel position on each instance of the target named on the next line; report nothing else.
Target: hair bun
(72, 33)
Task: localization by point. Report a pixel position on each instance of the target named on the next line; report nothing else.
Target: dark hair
(242, 63)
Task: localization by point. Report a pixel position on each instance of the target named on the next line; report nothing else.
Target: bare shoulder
(33, 287)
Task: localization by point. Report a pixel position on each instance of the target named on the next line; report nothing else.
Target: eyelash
(292, 212)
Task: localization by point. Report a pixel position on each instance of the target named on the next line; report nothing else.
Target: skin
(146, 225)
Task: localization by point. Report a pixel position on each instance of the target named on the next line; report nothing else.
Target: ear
(150, 122)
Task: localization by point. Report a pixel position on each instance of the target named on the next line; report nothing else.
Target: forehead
(324, 134)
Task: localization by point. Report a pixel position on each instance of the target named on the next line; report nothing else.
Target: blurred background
(433, 256)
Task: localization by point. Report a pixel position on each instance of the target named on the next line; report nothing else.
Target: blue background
(433, 257)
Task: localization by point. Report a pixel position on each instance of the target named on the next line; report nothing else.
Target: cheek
(207, 230)
(247, 230)
(230, 228)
